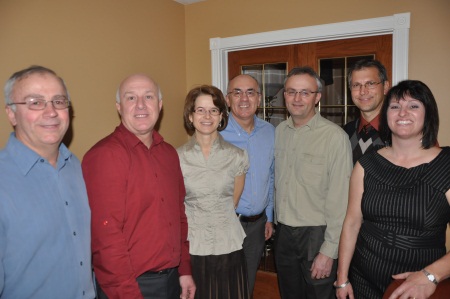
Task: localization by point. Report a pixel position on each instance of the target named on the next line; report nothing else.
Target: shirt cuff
(329, 249)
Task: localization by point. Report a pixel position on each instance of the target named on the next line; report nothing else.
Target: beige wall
(93, 45)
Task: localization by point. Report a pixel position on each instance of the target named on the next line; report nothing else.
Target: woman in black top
(399, 204)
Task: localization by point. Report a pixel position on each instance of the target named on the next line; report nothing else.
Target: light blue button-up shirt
(44, 226)
(259, 180)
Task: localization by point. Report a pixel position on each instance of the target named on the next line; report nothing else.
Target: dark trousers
(165, 285)
(253, 247)
(295, 249)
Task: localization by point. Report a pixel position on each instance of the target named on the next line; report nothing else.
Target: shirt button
(74, 233)
(81, 263)
(42, 160)
(67, 203)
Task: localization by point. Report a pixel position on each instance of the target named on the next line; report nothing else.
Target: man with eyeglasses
(44, 212)
(257, 137)
(368, 84)
(136, 192)
(312, 170)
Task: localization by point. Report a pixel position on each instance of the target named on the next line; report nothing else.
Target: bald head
(137, 79)
(243, 98)
(243, 78)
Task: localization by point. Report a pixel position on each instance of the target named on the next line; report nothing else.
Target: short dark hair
(19, 75)
(218, 100)
(305, 70)
(366, 63)
(418, 91)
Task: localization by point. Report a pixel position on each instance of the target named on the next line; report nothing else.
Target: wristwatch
(430, 276)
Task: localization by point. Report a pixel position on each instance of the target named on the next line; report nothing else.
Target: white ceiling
(186, 2)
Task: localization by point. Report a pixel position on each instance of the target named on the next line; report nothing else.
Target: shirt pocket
(309, 169)
(279, 155)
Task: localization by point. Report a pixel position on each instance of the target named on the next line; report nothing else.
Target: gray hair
(305, 70)
(22, 74)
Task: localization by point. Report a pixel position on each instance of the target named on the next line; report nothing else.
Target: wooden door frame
(398, 25)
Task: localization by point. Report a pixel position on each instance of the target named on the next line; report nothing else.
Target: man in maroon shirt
(136, 193)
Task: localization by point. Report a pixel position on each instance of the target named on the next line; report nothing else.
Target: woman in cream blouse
(214, 174)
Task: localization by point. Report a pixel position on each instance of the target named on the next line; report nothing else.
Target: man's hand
(268, 230)
(321, 266)
(187, 287)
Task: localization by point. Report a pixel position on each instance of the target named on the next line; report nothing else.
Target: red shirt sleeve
(106, 186)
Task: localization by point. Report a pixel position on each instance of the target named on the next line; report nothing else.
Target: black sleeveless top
(403, 204)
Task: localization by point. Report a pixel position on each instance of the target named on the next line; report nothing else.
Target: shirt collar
(374, 123)
(218, 143)
(132, 139)
(237, 127)
(26, 158)
(311, 124)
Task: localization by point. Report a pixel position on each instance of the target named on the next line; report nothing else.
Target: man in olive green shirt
(313, 163)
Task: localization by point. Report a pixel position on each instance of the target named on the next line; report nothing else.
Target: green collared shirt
(313, 164)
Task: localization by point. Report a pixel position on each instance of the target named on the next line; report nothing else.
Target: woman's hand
(344, 292)
(415, 286)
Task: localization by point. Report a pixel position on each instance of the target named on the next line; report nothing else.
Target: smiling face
(243, 107)
(369, 101)
(301, 108)
(139, 106)
(40, 130)
(207, 123)
(406, 118)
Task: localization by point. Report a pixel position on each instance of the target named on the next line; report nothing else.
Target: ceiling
(187, 2)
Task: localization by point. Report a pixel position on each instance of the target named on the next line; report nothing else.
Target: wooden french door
(330, 59)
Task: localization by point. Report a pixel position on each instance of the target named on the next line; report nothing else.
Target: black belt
(155, 273)
(392, 240)
(243, 218)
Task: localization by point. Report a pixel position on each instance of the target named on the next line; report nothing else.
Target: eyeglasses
(368, 85)
(303, 93)
(33, 103)
(237, 93)
(203, 111)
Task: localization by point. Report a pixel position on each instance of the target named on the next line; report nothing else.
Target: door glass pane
(336, 103)
(271, 79)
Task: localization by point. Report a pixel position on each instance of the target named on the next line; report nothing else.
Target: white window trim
(398, 25)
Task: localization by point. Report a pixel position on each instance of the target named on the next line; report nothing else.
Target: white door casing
(398, 25)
